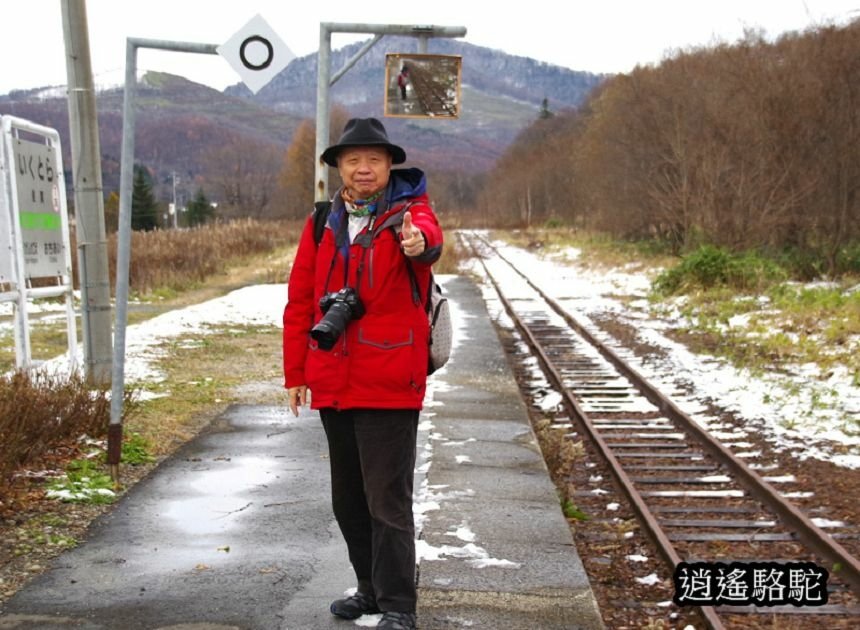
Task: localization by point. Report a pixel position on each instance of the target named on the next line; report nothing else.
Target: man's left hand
(411, 238)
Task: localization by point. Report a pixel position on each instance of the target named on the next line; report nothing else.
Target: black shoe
(397, 621)
(354, 606)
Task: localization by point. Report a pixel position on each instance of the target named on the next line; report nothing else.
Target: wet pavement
(235, 530)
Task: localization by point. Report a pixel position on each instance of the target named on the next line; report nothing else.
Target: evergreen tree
(544, 110)
(144, 210)
(199, 210)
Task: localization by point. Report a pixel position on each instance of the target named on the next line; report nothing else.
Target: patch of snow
(781, 479)
(792, 408)
(825, 523)
(649, 580)
(473, 555)
(368, 621)
(463, 533)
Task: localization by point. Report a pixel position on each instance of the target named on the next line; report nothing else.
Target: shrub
(709, 267)
(848, 259)
(40, 411)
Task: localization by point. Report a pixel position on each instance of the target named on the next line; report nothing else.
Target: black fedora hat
(363, 132)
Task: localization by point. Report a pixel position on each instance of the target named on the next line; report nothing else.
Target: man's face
(364, 170)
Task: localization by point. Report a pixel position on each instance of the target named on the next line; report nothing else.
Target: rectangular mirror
(422, 86)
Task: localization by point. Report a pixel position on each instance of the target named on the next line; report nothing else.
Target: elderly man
(356, 337)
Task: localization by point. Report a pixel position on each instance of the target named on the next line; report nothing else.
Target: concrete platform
(235, 530)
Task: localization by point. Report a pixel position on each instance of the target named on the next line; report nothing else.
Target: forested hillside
(752, 146)
(234, 144)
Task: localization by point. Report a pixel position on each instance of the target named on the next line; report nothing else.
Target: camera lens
(331, 326)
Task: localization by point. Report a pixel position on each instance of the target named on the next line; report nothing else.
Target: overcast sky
(597, 35)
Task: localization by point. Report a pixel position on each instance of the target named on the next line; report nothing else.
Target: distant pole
(175, 207)
(88, 194)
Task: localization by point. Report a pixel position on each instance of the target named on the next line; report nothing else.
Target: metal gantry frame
(123, 255)
(324, 83)
(325, 80)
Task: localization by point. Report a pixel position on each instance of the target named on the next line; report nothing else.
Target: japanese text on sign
(39, 208)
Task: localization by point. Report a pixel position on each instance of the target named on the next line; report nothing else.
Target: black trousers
(372, 458)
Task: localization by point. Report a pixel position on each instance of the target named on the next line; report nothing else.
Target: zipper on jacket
(370, 266)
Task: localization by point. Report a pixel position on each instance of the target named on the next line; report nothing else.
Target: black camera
(339, 308)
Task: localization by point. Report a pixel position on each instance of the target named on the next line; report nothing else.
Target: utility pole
(89, 202)
(175, 207)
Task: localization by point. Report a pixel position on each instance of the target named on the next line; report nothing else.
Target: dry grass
(180, 259)
(38, 412)
(452, 255)
(176, 260)
(597, 249)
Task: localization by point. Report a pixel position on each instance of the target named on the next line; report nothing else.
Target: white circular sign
(256, 53)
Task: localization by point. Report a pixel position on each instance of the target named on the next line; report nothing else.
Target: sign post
(8, 251)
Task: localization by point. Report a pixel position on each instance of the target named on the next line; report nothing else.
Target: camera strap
(365, 240)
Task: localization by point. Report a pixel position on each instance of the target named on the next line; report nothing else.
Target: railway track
(697, 501)
(431, 95)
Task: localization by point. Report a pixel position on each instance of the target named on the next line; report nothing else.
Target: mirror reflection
(422, 86)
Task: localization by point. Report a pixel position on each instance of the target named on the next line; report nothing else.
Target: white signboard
(40, 207)
(256, 53)
(7, 245)
(34, 207)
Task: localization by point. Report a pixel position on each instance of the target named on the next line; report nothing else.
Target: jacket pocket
(323, 370)
(385, 343)
(384, 358)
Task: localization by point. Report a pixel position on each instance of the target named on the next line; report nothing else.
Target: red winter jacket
(381, 359)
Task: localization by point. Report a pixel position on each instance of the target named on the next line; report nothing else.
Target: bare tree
(245, 174)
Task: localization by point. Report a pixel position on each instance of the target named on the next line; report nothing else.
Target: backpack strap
(320, 215)
(394, 222)
(413, 281)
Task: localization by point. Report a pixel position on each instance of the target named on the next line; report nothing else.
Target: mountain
(501, 94)
(180, 123)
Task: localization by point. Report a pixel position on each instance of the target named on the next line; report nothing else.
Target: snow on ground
(260, 305)
(431, 498)
(798, 412)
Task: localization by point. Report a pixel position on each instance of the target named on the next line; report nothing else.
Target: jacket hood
(404, 183)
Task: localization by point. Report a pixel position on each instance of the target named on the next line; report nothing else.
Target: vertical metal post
(323, 111)
(22, 331)
(89, 203)
(422, 44)
(123, 254)
(123, 257)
